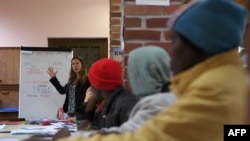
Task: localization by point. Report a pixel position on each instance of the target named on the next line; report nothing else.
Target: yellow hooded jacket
(211, 94)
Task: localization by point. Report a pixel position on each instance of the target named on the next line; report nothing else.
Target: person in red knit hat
(106, 74)
(105, 77)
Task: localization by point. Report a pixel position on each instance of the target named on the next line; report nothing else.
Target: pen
(5, 131)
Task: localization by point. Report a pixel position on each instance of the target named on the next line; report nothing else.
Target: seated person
(105, 77)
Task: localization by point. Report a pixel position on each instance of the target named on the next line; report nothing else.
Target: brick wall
(145, 25)
(115, 24)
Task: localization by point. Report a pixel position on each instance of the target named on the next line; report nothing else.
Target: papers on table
(10, 139)
(2, 126)
(51, 129)
(34, 130)
(83, 133)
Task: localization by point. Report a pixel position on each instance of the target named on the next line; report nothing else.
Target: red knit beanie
(105, 74)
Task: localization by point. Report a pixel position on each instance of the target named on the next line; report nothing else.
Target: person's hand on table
(84, 125)
(72, 119)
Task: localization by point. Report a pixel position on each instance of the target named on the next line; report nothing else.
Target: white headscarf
(148, 70)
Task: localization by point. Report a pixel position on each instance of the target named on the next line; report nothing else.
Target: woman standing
(75, 88)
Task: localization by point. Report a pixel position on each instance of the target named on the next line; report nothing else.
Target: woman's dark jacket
(116, 111)
(80, 92)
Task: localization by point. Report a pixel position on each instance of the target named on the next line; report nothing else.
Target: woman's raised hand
(51, 72)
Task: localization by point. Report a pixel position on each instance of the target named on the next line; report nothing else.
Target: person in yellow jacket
(246, 3)
(209, 80)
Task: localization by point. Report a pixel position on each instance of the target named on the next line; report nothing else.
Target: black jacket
(80, 92)
(116, 111)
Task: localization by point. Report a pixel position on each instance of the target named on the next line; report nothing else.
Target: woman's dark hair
(72, 74)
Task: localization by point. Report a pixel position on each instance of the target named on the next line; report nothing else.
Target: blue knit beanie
(148, 70)
(214, 26)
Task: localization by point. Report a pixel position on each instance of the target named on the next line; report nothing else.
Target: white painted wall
(31, 22)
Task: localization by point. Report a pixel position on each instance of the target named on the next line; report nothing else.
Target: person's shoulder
(127, 95)
(165, 98)
(166, 95)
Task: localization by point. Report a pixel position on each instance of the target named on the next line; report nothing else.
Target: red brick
(132, 22)
(115, 8)
(115, 14)
(171, 8)
(115, 21)
(142, 34)
(115, 1)
(167, 35)
(115, 28)
(144, 10)
(115, 35)
(164, 45)
(130, 46)
(156, 22)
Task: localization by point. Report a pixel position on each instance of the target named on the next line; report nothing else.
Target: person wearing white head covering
(149, 73)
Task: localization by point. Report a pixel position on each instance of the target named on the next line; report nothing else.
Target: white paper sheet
(10, 139)
(34, 130)
(2, 126)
